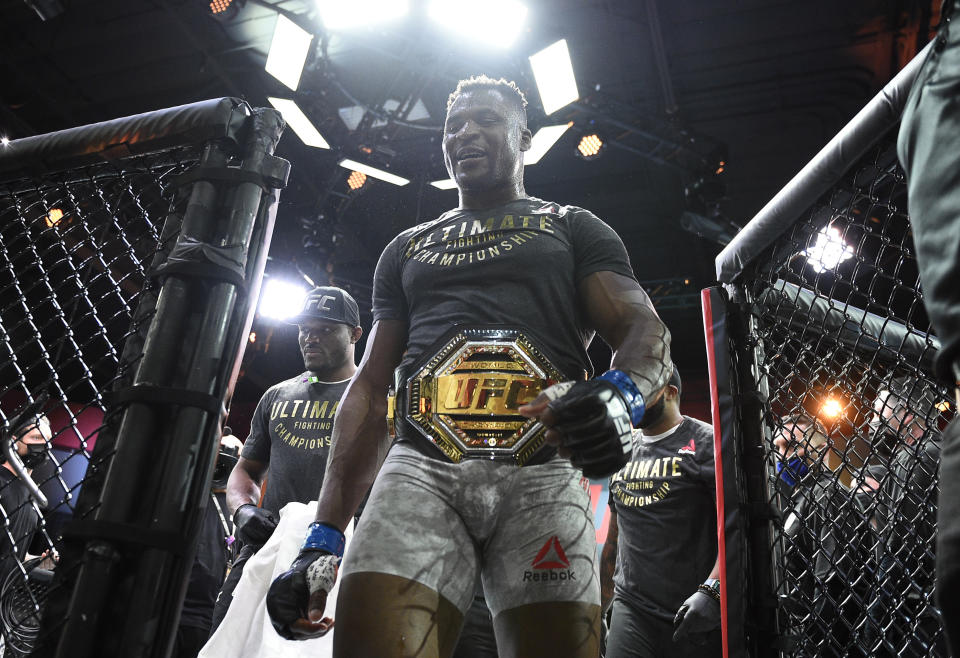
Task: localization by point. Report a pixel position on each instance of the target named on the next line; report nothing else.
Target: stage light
(356, 180)
(590, 146)
(831, 408)
(829, 250)
(5, 141)
(224, 9)
(288, 52)
(373, 171)
(943, 406)
(338, 14)
(53, 217)
(553, 72)
(542, 141)
(281, 299)
(297, 120)
(445, 184)
(493, 22)
(253, 337)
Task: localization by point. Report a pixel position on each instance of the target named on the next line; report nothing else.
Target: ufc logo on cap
(321, 304)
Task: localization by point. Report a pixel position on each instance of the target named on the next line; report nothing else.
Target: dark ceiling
(675, 88)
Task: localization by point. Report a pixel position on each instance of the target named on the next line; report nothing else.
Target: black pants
(477, 639)
(635, 633)
(929, 148)
(225, 597)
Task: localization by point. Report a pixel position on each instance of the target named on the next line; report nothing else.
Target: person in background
(291, 428)
(659, 570)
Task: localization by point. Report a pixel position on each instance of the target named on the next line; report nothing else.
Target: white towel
(245, 631)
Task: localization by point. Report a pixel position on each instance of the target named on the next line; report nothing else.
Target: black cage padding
(133, 135)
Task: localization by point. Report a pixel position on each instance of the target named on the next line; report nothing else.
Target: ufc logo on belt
(490, 394)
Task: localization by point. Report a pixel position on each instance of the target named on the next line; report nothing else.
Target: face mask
(792, 470)
(653, 414)
(36, 455)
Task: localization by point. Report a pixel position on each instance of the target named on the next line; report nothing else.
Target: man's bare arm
(621, 312)
(608, 561)
(243, 485)
(360, 440)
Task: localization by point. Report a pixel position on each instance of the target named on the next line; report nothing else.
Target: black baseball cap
(329, 303)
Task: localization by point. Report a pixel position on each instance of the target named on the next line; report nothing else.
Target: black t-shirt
(664, 499)
(291, 431)
(18, 522)
(518, 265)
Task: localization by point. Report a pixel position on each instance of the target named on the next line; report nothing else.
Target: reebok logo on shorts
(550, 564)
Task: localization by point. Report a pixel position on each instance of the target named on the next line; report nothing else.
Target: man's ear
(526, 139)
(355, 334)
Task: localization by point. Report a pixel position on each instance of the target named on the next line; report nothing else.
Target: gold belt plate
(466, 398)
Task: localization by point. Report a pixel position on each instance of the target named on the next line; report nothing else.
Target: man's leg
(225, 597)
(391, 617)
(409, 573)
(549, 630)
(539, 565)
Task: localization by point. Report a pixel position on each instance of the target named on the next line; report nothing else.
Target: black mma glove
(594, 420)
(698, 615)
(253, 525)
(297, 597)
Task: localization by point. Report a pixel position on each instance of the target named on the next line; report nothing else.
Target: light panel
(553, 72)
(542, 141)
(280, 300)
(373, 171)
(288, 52)
(487, 22)
(829, 250)
(445, 184)
(339, 14)
(297, 120)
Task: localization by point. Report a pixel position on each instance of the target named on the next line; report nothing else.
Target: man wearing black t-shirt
(20, 514)
(663, 539)
(291, 429)
(485, 313)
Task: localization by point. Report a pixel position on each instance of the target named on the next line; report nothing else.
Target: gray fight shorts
(529, 531)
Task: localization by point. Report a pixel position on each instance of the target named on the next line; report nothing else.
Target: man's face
(886, 413)
(795, 439)
(482, 140)
(324, 343)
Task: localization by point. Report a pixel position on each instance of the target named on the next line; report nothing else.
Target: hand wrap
(288, 598)
(593, 419)
(314, 570)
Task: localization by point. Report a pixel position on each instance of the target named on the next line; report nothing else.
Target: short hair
(675, 380)
(508, 88)
(41, 422)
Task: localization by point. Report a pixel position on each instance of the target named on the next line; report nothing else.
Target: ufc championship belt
(464, 398)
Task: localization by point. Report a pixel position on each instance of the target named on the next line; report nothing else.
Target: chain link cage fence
(832, 436)
(131, 253)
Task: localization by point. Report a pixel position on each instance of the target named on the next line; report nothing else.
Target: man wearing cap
(481, 322)
(659, 571)
(291, 428)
